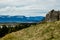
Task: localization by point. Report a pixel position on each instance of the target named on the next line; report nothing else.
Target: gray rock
(53, 16)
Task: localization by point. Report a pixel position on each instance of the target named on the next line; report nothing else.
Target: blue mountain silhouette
(21, 19)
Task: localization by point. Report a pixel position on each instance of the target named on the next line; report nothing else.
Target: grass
(43, 31)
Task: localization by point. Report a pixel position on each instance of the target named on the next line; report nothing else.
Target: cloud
(28, 7)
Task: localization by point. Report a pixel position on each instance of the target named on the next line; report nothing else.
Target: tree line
(5, 30)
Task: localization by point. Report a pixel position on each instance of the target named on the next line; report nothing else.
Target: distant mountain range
(21, 19)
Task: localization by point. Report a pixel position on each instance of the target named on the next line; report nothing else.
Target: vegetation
(5, 30)
(43, 31)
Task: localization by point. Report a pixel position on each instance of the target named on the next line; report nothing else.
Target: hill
(20, 19)
(43, 31)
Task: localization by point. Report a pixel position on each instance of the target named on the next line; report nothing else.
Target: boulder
(53, 16)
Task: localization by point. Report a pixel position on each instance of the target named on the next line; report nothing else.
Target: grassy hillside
(43, 31)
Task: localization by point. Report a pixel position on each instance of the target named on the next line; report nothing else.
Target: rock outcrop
(53, 16)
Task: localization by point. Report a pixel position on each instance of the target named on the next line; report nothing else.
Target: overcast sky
(28, 7)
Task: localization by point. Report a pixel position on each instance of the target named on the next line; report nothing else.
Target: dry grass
(43, 31)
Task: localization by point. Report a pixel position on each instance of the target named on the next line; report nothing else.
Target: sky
(28, 7)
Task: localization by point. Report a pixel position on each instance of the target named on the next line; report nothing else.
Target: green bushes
(5, 30)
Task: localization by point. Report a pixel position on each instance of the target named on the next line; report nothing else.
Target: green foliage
(42, 31)
(5, 30)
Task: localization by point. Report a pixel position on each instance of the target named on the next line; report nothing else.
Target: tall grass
(43, 31)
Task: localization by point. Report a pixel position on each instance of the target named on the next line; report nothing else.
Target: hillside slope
(43, 31)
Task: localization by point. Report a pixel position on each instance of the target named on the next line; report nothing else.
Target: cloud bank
(28, 7)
